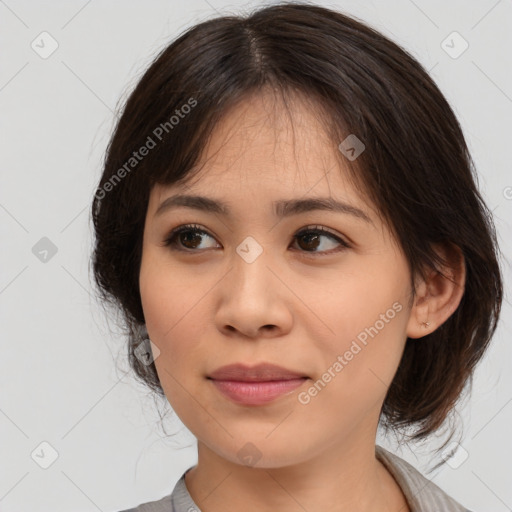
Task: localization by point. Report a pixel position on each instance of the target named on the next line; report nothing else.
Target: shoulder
(421, 494)
(162, 505)
(178, 501)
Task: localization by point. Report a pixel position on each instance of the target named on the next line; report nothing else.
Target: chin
(259, 452)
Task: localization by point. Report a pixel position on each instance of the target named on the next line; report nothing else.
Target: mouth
(263, 372)
(255, 385)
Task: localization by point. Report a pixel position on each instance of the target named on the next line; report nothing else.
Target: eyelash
(172, 244)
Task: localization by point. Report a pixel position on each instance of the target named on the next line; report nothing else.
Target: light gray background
(63, 376)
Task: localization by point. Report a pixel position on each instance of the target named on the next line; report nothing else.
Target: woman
(289, 222)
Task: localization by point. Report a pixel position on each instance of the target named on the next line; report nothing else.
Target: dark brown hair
(416, 169)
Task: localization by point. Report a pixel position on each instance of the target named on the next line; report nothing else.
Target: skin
(299, 304)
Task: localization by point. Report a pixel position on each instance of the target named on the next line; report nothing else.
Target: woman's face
(241, 286)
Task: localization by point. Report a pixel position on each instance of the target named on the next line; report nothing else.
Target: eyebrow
(282, 208)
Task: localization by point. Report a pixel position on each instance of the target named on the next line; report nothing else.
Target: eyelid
(185, 227)
(342, 240)
(317, 227)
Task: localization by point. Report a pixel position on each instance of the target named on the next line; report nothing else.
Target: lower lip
(256, 393)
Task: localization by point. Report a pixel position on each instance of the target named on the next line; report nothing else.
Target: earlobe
(439, 294)
(419, 323)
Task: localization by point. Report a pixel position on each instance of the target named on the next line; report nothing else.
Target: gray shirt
(421, 494)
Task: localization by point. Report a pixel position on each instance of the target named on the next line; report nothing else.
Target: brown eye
(310, 240)
(188, 237)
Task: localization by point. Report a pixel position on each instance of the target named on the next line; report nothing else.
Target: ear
(439, 294)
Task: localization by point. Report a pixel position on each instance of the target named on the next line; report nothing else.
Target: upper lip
(259, 373)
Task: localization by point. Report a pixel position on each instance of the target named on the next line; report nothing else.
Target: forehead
(267, 146)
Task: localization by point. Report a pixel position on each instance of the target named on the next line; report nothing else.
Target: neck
(342, 479)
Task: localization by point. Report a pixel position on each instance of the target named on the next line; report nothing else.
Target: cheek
(366, 312)
(358, 368)
(348, 301)
(164, 293)
(169, 309)
(172, 304)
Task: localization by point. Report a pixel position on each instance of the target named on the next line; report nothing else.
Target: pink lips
(255, 385)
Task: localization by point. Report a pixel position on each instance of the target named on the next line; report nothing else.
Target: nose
(253, 301)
